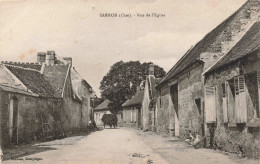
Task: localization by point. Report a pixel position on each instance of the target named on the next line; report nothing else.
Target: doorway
(174, 98)
(13, 119)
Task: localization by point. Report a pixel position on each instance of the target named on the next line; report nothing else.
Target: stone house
(232, 96)
(132, 110)
(100, 110)
(149, 107)
(28, 105)
(181, 92)
(37, 100)
(84, 91)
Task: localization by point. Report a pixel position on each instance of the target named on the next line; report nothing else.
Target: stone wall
(73, 115)
(240, 138)
(72, 108)
(190, 100)
(130, 121)
(163, 118)
(29, 117)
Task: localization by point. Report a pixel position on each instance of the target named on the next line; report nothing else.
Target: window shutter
(241, 108)
(242, 96)
(224, 101)
(236, 83)
(210, 104)
(231, 102)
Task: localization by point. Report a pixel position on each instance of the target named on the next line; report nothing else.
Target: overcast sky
(74, 28)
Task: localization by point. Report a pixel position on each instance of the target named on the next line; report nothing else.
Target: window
(210, 104)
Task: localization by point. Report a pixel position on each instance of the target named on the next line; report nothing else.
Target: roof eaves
(17, 90)
(16, 79)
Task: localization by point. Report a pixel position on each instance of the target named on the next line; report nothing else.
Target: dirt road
(124, 146)
(106, 146)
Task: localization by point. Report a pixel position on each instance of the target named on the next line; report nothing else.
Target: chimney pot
(151, 69)
(41, 57)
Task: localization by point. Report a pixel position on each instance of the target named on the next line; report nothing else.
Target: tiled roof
(16, 90)
(193, 55)
(36, 66)
(137, 99)
(249, 43)
(56, 75)
(103, 105)
(33, 80)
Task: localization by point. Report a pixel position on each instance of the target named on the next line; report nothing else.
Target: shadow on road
(19, 151)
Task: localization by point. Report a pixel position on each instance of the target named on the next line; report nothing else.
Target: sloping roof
(36, 66)
(246, 45)
(56, 75)
(137, 99)
(103, 105)
(33, 80)
(193, 54)
(16, 90)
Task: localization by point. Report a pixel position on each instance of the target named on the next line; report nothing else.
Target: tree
(122, 79)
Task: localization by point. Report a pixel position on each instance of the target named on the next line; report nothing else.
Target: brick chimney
(41, 57)
(68, 60)
(151, 70)
(50, 58)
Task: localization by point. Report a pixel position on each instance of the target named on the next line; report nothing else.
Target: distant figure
(90, 125)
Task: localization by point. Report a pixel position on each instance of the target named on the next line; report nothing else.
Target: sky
(74, 28)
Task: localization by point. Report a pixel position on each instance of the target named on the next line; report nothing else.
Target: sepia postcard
(129, 81)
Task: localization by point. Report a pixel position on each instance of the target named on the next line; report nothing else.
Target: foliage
(122, 79)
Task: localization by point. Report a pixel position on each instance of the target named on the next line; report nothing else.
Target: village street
(124, 145)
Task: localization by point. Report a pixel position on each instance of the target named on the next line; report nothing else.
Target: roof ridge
(29, 69)
(193, 50)
(59, 64)
(12, 62)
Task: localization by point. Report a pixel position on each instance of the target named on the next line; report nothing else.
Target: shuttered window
(240, 107)
(224, 101)
(210, 104)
